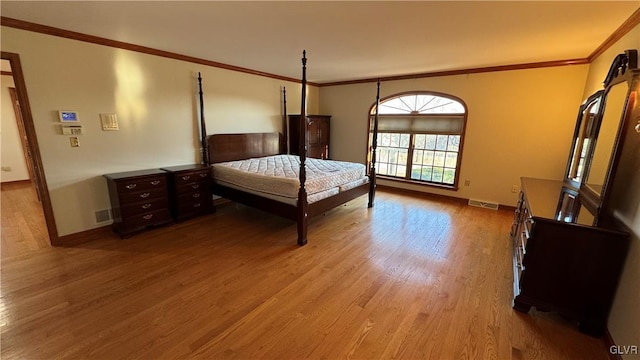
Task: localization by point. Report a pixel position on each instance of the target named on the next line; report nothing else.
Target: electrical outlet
(74, 141)
(467, 182)
(514, 188)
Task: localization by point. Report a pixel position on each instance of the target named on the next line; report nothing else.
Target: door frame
(21, 132)
(32, 144)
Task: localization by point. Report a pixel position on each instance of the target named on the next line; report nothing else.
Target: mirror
(582, 137)
(606, 130)
(606, 137)
(571, 210)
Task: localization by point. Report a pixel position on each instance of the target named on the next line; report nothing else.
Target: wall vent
(103, 215)
(483, 204)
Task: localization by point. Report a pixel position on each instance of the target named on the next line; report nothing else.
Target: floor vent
(483, 204)
(103, 215)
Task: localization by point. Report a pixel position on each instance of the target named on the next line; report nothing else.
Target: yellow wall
(624, 320)
(520, 123)
(156, 102)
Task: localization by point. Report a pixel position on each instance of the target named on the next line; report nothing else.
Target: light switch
(74, 141)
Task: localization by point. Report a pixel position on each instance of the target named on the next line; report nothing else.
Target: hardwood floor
(412, 278)
(23, 226)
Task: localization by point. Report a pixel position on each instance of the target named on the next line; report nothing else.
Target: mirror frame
(624, 68)
(569, 180)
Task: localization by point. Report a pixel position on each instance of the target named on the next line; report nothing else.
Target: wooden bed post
(203, 127)
(374, 146)
(303, 216)
(285, 128)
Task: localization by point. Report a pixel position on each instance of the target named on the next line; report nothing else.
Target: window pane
(384, 155)
(415, 172)
(454, 143)
(404, 140)
(441, 143)
(392, 169)
(417, 156)
(430, 142)
(395, 140)
(428, 158)
(401, 171)
(449, 176)
(393, 155)
(437, 174)
(438, 159)
(402, 156)
(419, 141)
(426, 173)
(384, 169)
(385, 140)
(423, 103)
(451, 160)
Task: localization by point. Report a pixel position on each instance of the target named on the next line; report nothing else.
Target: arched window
(420, 137)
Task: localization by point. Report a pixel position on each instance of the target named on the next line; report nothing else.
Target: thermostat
(68, 116)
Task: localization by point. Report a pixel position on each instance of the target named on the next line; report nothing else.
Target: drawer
(194, 206)
(144, 207)
(141, 184)
(146, 219)
(201, 176)
(194, 196)
(145, 195)
(519, 257)
(527, 227)
(192, 187)
(522, 243)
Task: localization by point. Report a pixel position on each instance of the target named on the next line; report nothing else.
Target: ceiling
(345, 40)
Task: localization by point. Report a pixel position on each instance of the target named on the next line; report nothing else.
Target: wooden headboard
(230, 147)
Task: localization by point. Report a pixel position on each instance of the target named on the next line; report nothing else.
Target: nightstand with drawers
(139, 199)
(189, 190)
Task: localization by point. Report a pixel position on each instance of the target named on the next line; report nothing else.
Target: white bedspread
(279, 174)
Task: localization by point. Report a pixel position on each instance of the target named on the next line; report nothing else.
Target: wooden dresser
(189, 190)
(561, 262)
(139, 199)
(319, 134)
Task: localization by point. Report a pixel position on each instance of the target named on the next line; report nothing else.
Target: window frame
(410, 150)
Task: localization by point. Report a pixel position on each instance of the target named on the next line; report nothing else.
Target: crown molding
(627, 26)
(463, 71)
(50, 30)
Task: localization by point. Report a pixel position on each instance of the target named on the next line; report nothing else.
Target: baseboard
(16, 182)
(609, 344)
(434, 196)
(85, 236)
(421, 194)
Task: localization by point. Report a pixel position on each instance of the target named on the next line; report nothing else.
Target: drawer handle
(195, 186)
(203, 175)
(196, 205)
(186, 177)
(131, 186)
(146, 206)
(148, 216)
(196, 195)
(155, 182)
(145, 195)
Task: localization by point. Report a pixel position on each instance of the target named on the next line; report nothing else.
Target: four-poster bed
(254, 169)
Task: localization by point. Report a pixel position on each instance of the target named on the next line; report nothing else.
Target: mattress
(279, 175)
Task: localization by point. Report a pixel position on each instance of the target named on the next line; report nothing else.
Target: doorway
(32, 151)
